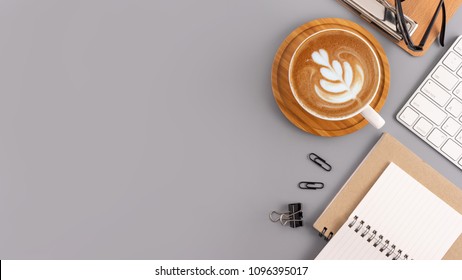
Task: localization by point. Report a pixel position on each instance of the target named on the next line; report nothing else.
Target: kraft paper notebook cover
(386, 151)
(422, 12)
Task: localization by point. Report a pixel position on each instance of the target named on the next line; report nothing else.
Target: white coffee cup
(330, 86)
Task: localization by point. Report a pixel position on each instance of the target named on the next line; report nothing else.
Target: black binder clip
(319, 161)
(311, 185)
(293, 217)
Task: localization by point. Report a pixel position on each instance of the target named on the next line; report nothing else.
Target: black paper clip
(320, 161)
(293, 217)
(311, 185)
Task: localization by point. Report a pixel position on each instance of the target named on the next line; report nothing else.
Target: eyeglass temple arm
(430, 26)
(441, 6)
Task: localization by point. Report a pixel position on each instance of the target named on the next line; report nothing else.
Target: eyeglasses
(401, 26)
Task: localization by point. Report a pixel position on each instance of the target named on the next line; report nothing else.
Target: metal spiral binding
(328, 237)
(380, 242)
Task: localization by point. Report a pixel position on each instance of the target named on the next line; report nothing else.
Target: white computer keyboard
(434, 110)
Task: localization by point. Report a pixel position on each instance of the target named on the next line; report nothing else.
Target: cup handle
(373, 117)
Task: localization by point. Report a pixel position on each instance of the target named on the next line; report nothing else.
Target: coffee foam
(334, 74)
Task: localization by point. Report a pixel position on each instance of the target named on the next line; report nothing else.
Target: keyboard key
(437, 137)
(434, 111)
(454, 107)
(409, 116)
(458, 91)
(451, 126)
(458, 47)
(423, 126)
(459, 137)
(436, 93)
(430, 110)
(445, 78)
(452, 149)
(452, 61)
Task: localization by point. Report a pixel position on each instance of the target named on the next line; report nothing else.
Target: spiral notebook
(388, 151)
(397, 219)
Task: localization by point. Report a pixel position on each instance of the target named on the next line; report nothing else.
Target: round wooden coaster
(283, 94)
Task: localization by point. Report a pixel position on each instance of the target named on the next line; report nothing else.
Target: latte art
(334, 73)
(340, 83)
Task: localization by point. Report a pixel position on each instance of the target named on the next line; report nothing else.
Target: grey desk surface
(148, 130)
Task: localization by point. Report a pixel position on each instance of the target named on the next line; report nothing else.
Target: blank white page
(405, 213)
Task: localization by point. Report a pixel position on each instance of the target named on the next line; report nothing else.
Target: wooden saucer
(283, 94)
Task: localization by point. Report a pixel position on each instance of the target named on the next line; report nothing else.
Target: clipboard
(387, 150)
(420, 12)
